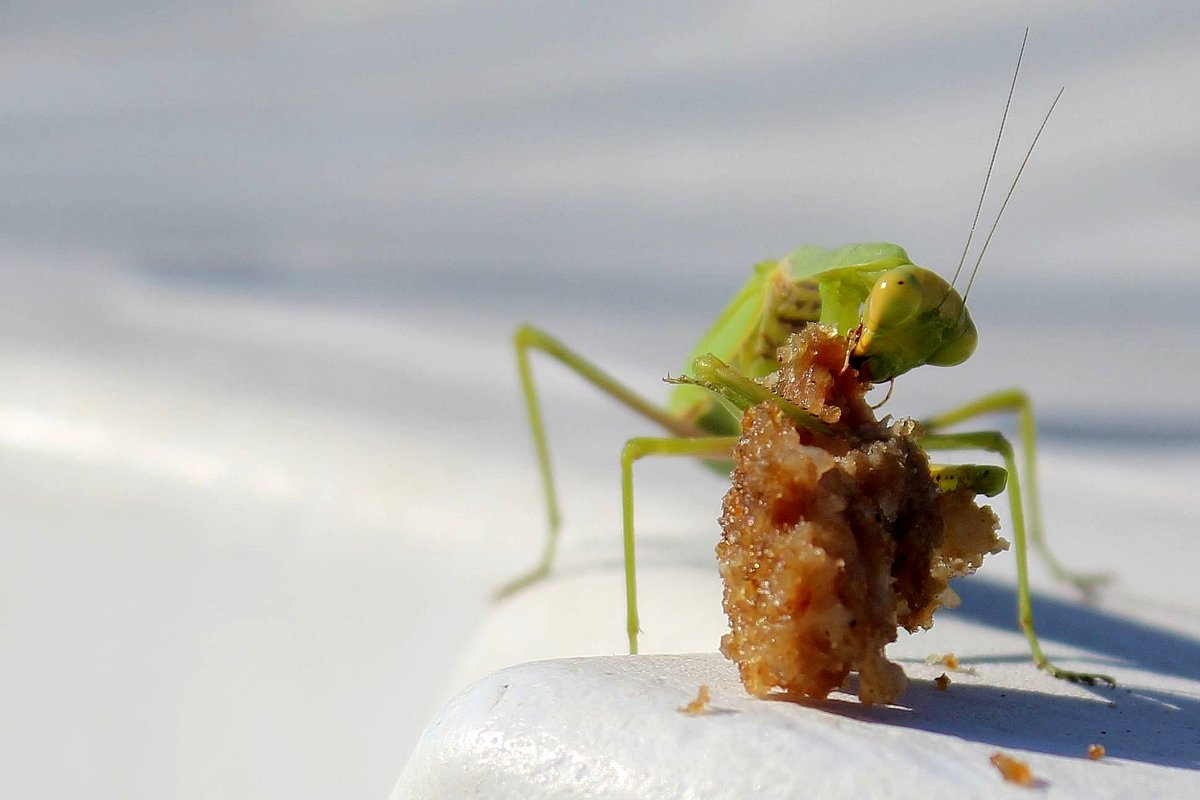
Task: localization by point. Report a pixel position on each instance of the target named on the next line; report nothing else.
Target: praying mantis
(897, 316)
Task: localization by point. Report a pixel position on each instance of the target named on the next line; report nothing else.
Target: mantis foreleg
(528, 338)
(703, 447)
(994, 442)
(1015, 400)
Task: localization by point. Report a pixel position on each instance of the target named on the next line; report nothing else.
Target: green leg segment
(703, 447)
(994, 442)
(529, 338)
(1014, 400)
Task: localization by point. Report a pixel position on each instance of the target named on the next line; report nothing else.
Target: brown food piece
(1096, 752)
(700, 704)
(830, 542)
(942, 682)
(1014, 770)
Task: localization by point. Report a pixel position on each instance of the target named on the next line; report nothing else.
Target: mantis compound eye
(896, 298)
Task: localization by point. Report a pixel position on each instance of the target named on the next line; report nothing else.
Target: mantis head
(911, 317)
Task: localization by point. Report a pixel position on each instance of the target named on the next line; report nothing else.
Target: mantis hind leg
(528, 338)
(702, 447)
(1016, 401)
(994, 442)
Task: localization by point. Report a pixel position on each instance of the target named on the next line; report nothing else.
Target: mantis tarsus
(899, 316)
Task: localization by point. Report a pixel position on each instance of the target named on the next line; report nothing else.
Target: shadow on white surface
(1115, 637)
(1135, 723)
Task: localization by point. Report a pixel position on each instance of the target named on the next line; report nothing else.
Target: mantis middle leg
(715, 447)
(528, 338)
(1016, 401)
(994, 442)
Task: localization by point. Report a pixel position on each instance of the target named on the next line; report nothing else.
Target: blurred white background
(262, 451)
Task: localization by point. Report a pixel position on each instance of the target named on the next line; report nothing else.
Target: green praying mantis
(898, 316)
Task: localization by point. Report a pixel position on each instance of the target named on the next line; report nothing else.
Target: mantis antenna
(992, 163)
(1008, 196)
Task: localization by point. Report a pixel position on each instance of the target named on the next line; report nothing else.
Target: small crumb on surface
(1012, 769)
(942, 681)
(949, 661)
(700, 704)
(1096, 752)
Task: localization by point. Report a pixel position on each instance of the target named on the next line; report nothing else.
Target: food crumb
(949, 661)
(942, 681)
(1013, 770)
(1096, 752)
(700, 704)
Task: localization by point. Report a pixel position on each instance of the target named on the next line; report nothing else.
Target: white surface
(213, 575)
(609, 727)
